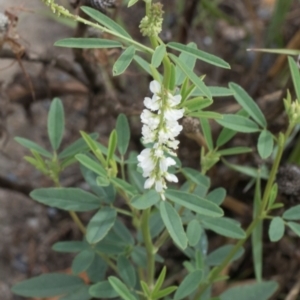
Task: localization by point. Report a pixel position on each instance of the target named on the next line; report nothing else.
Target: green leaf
(103, 290)
(193, 232)
(126, 270)
(139, 256)
(189, 284)
(111, 245)
(238, 123)
(196, 177)
(295, 76)
(121, 288)
(227, 134)
(136, 179)
(217, 196)
(196, 104)
(195, 203)
(32, 145)
(252, 172)
(248, 104)
(276, 51)
(112, 144)
(206, 115)
(145, 288)
(204, 56)
(234, 151)
(106, 194)
(216, 91)
(123, 133)
(225, 227)
(160, 280)
(295, 227)
(100, 224)
(173, 224)
(97, 270)
(189, 61)
(216, 257)
(143, 64)
(276, 229)
(122, 184)
(70, 246)
(192, 76)
(257, 234)
(273, 195)
(96, 148)
(123, 61)
(87, 43)
(123, 232)
(66, 198)
(104, 20)
(80, 294)
(207, 133)
(156, 224)
(146, 200)
(265, 144)
(76, 147)
(91, 164)
(56, 123)
(253, 291)
(82, 261)
(48, 285)
(292, 213)
(158, 55)
(164, 292)
(132, 2)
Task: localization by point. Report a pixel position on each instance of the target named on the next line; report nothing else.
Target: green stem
(77, 221)
(122, 168)
(261, 215)
(167, 68)
(161, 240)
(123, 211)
(149, 247)
(108, 261)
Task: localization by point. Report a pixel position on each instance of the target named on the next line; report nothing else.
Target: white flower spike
(161, 127)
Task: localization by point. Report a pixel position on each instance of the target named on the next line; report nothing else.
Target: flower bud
(151, 25)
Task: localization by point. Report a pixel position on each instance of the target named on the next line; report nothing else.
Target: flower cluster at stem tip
(160, 129)
(151, 25)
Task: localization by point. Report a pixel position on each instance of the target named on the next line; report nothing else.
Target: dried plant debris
(288, 180)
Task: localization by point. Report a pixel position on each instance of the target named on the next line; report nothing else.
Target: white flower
(160, 127)
(148, 134)
(152, 103)
(172, 114)
(171, 177)
(150, 119)
(173, 100)
(155, 87)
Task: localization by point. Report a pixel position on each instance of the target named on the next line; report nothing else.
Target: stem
(77, 221)
(260, 216)
(167, 68)
(149, 247)
(108, 261)
(122, 168)
(161, 240)
(73, 214)
(123, 211)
